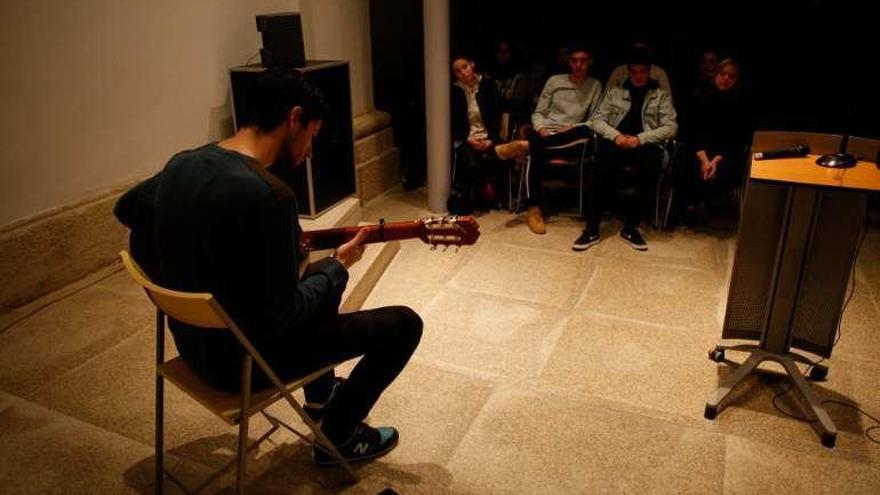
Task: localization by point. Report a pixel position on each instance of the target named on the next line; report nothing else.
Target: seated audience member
(560, 117)
(215, 220)
(475, 124)
(512, 83)
(634, 121)
(698, 82)
(720, 131)
(708, 64)
(621, 73)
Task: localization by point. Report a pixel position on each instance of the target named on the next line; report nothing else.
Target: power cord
(778, 395)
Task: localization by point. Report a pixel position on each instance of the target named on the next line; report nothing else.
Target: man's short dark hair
(463, 56)
(276, 92)
(640, 54)
(573, 48)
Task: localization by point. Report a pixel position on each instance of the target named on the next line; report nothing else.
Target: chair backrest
(820, 144)
(864, 148)
(198, 309)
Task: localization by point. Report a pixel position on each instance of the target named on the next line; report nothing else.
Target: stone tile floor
(541, 370)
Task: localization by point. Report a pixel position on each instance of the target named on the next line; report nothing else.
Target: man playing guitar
(215, 220)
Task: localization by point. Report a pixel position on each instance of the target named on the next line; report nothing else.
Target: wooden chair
(235, 408)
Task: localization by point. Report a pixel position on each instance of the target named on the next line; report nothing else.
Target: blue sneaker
(364, 444)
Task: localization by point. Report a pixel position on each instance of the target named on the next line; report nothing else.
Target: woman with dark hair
(476, 122)
(720, 131)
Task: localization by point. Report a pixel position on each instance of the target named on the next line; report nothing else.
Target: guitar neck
(316, 240)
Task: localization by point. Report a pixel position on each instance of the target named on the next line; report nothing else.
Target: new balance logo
(361, 448)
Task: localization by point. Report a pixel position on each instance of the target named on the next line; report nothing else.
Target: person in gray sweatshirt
(561, 115)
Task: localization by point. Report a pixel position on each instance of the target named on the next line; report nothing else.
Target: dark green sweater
(223, 224)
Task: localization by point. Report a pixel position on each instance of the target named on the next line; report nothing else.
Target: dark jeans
(629, 174)
(473, 169)
(539, 154)
(385, 337)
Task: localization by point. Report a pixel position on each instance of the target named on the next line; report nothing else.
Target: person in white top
(475, 121)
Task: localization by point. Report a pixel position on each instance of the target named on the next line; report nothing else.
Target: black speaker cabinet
(328, 176)
(282, 40)
(793, 261)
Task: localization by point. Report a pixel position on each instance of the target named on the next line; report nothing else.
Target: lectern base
(826, 427)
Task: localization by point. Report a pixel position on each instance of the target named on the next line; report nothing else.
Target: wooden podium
(800, 227)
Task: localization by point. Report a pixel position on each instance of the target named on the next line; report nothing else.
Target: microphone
(789, 152)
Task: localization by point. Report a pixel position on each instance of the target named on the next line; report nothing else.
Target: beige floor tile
(66, 334)
(869, 260)
(285, 477)
(489, 335)
(432, 420)
(757, 468)
(649, 366)
(561, 233)
(95, 393)
(400, 291)
(122, 283)
(529, 442)
(525, 273)
(860, 327)
(749, 413)
(681, 248)
(44, 452)
(653, 294)
(418, 262)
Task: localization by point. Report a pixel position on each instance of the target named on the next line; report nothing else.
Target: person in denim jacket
(633, 122)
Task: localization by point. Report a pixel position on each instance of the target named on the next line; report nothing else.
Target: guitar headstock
(449, 231)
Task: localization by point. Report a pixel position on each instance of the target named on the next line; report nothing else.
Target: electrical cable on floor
(849, 296)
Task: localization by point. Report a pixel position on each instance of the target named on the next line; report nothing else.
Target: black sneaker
(635, 239)
(364, 444)
(587, 239)
(315, 410)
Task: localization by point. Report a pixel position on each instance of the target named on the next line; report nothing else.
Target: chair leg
(522, 181)
(510, 206)
(160, 405)
(160, 435)
(243, 422)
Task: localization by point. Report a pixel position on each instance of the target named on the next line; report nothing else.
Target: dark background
(809, 65)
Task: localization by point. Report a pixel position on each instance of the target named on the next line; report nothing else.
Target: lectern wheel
(717, 354)
(711, 412)
(818, 373)
(829, 439)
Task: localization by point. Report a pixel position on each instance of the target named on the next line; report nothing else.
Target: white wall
(340, 30)
(96, 93)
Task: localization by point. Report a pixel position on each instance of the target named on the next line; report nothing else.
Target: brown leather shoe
(536, 220)
(512, 149)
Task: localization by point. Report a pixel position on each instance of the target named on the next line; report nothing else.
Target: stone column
(436, 23)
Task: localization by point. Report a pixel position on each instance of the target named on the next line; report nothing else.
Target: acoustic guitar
(435, 231)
